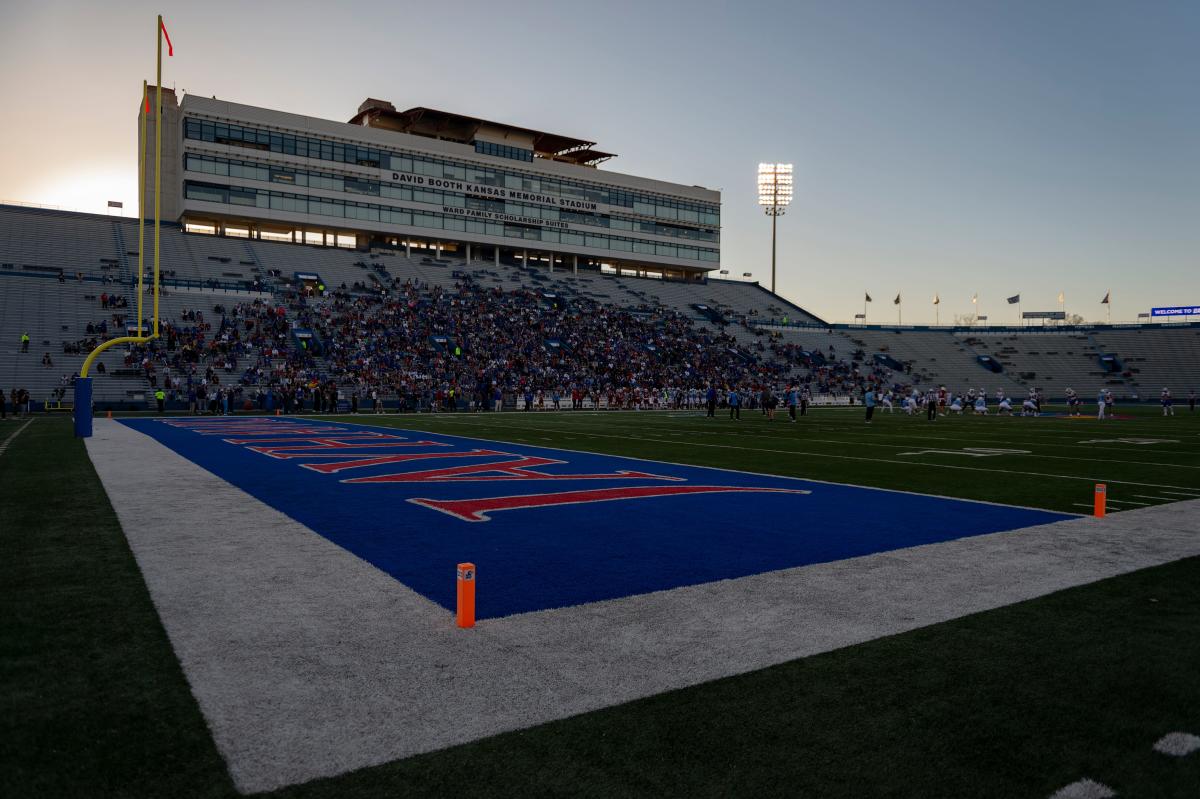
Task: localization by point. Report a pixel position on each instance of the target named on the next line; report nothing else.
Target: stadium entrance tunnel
(883, 359)
(812, 358)
(306, 340)
(989, 363)
(710, 313)
(310, 284)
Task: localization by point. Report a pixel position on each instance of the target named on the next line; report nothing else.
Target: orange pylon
(465, 615)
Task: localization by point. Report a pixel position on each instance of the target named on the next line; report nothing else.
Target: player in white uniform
(1100, 399)
(1165, 399)
(980, 404)
(1005, 404)
(887, 400)
(956, 404)
(1073, 403)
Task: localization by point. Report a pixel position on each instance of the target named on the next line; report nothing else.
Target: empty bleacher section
(1153, 359)
(935, 357)
(757, 332)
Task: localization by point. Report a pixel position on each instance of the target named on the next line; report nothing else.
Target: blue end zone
(549, 528)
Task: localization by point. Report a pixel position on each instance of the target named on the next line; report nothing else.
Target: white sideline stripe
(838, 457)
(13, 436)
(308, 662)
(1177, 744)
(1192, 494)
(1084, 789)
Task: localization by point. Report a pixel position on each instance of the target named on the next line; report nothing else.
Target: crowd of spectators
(431, 347)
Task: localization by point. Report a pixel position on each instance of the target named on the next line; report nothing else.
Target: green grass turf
(1017, 701)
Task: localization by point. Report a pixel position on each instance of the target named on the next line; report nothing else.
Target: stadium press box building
(427, 180)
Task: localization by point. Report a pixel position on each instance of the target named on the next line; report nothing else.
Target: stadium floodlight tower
(774, 194)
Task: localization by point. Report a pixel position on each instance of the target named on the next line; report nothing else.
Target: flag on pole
(1107, 296)
(975, 300)
(936, 299)
(897, 300)
(867, 298)
(167, 36)
(1014, 299)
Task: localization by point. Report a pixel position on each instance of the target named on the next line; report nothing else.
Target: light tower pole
(774, 194)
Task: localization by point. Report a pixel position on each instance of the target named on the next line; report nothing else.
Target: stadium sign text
(1177, 310)
(492, 216)
(496, 192)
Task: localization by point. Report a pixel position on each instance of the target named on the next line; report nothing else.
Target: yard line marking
(854, 458)
(13, 435)
(1160, 499)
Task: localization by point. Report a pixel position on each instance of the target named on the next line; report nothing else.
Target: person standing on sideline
(3, 405)
(792, 400)
(869, 401)
(1100, 399)
(160, 397)
(710, 399)
(1192, 401)
(497, 398)
(1168, 408)
(24, 342)
(931, 405)
(735, 405)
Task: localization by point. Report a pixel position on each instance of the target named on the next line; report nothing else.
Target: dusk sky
(951, 147)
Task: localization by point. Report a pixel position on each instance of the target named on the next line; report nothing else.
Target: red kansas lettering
(359, 462)
(519, 469)
(477, 510)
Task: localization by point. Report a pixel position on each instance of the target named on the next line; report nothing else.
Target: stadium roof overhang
(430, 122)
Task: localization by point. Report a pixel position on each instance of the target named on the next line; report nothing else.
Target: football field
(1051, 462)
(669, 604)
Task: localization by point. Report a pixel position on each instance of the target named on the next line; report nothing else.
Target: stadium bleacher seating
(98, 254)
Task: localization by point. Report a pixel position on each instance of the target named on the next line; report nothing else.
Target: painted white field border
(11, 437)
(308, 662)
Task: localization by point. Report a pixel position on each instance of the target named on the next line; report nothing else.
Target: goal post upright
(82, 409)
